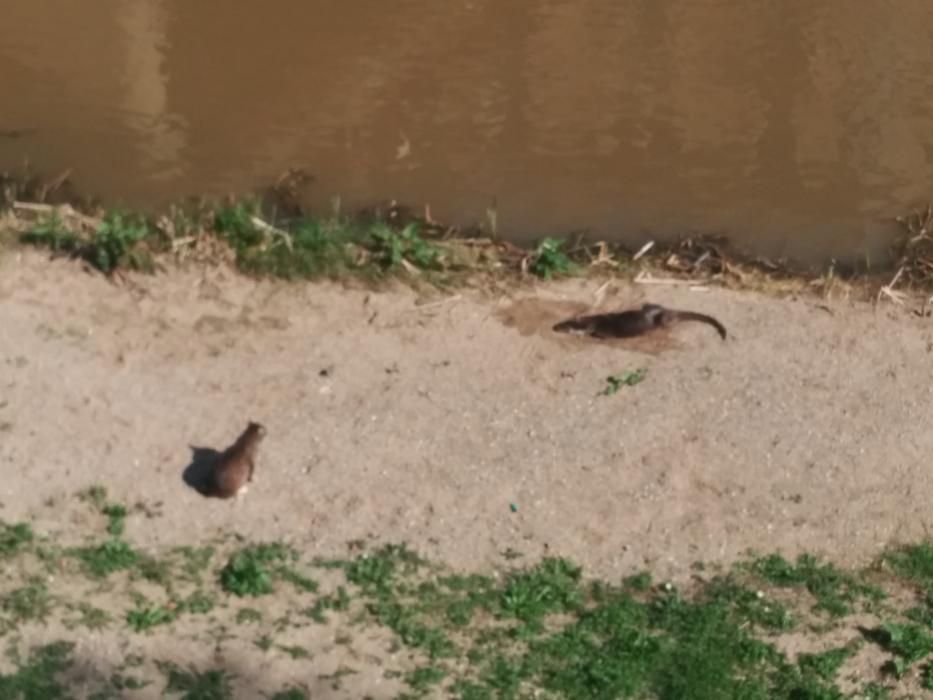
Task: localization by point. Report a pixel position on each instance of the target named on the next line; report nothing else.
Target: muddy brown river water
(799, 127)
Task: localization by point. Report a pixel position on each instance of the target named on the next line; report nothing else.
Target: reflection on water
(797, 126)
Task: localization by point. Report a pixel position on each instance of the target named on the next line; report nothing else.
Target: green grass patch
(111, 555)
(31, 602)
(115, 242)
(908, 643)
(14, 538)
(252, 571)
(35, 678)
(914, 563)
(146, 616)
(834, 590)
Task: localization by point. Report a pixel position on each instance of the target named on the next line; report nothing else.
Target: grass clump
(103, 559)
(392, 248)
(907, 641)
(834, 590)
(115, 242)
(550, 587)
(252, 570)
(914, 563)
(145, 616)
(30, 602)
(14, 538)
(116, 519)
(248, 572)
(214, 684)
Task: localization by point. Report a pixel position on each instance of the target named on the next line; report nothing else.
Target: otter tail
(702, 318)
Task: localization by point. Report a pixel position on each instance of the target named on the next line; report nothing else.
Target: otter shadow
(197, 475)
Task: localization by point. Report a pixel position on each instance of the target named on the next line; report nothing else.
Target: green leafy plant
(391, 248)
(115, 241)
(51, 232)
(626, 378)
(144, 617)
(107, 557)
(235, 222)
(249, 572)
(550, 260)
(908, 642)
(14, 538)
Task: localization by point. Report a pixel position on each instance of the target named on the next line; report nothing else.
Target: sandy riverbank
(390, 421)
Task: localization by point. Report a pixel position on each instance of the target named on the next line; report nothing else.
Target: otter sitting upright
(634, 322)
(235, 465)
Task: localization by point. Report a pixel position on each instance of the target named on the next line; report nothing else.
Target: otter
(634, 322)
(234, 467)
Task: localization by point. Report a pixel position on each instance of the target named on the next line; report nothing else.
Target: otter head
(256, 430)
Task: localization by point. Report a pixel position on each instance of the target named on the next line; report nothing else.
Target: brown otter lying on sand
(235, 466)
(627, 324)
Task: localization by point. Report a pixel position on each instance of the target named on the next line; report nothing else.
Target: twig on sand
(433, 304)
(600, 295)
(269, 228)
(888, 290)
(645, 277)
(644, 249)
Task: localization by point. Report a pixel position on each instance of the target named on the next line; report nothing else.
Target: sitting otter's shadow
(197, 474)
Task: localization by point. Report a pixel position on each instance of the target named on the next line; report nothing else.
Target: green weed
(549, 259)
(747, 605)
(198, 603)
(826, 664)
(641, 581)
(91, 617)
(340, 600)
(106, 558)
(96, 495)
(908, 642)
(248, 616)
(30, 602)
(550, 587)
(833, 589)
(195, 561)
(423, 679)
(116, 515)
(249, 572)
(214, 684)
(295, 651)
(292, 693)
(114, 243)
(50, 232)
(14, 538)
(376, 572)
(145, 616)
(235, 222)
(627, 378)
(391, 248)
(913, 562)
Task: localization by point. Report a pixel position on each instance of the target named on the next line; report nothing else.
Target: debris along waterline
(268, 234)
